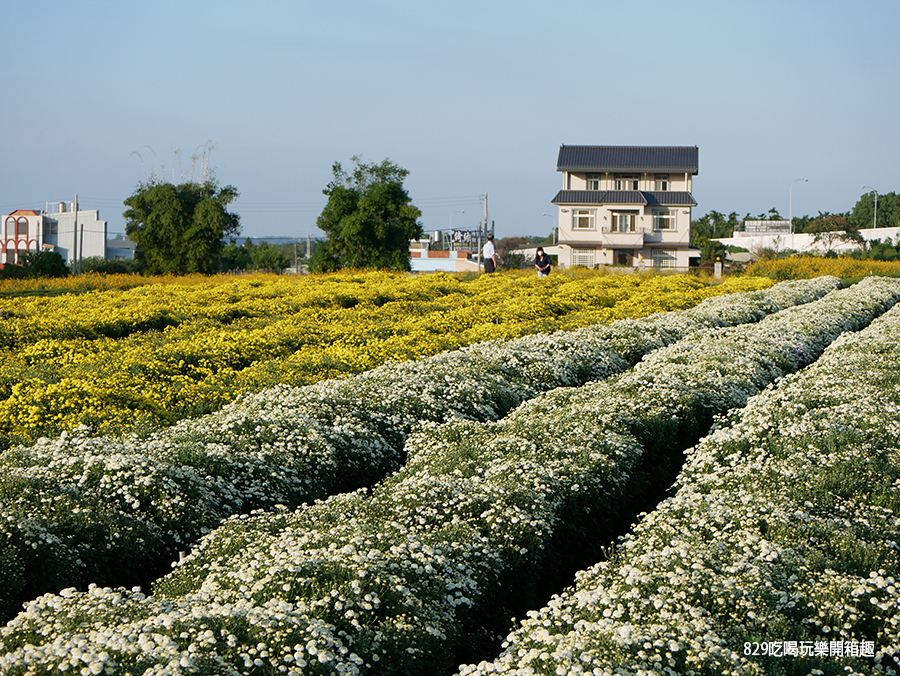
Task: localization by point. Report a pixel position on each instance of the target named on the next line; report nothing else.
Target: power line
(256, 207)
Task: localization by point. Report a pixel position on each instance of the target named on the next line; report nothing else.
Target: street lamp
(791, 203)
(875, 216)
(554, 227)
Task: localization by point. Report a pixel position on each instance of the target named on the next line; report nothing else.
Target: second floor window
(22, 227)
(627, 181)
(623, 221)
(661, 182)
(583, 219)
(663, 219)
(593, 181)
(51, 228)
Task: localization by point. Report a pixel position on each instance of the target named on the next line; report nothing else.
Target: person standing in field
(542, 262)
(490, 255)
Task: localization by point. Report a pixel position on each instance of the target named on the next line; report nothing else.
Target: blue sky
(470, 97)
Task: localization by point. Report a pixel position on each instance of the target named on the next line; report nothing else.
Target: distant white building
(806, 243)
(63, 227)
(120, 247)
(425, 259)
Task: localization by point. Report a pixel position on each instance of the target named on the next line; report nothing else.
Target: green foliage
(10, 271)
(713, 251)
(863, 213)
(834, 228)
(179, 229)
(45, 264)
(714, 225)
(235, 257)
(250, 256)
(322, 260)
(263, 256)
(877, 250)
(369, 219)
(109, 266)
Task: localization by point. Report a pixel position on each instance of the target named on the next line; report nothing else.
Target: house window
(663, 258)
(623, 256)
(10, 227)
(583, 219)
(22, 227)
(623, 221)
(583, 257)
(627, 181)
(661, 182)
(663, 219)
(593, 181)
(51, 228)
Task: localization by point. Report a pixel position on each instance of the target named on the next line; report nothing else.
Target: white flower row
(81, 509)
(783, 532)
(403, 577)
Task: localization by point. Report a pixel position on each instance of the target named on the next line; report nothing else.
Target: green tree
(714, 225)
(863, 213)
(45, 264)
(713, 251)
(263, 256)
(322, 260)
(369, 219)
(109, 266)
(234, 256)
(834, 228)
(180, 229)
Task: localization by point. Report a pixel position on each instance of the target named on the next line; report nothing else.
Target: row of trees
(369, 221)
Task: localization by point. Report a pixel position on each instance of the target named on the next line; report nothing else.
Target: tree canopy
(369, 219)
(45, 264)
(863, 213)
(834, 228)
(180, 229)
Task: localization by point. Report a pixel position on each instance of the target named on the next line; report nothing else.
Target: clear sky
(471, 97)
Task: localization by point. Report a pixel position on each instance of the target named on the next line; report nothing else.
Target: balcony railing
(625, 238)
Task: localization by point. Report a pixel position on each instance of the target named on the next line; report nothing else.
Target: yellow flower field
(124, 353)
(809, 267)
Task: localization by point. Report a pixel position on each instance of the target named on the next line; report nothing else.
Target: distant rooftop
(628, 158)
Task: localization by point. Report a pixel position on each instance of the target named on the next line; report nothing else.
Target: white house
(625, 205)
(72, 232)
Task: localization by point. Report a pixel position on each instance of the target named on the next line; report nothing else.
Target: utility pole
(482, 229)
(75, 236)
(80, 237)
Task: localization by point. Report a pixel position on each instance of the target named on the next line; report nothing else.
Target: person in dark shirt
(542, 262)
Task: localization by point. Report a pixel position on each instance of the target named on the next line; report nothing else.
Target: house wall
(14, 243)
(91, 233)
(612, 247)
(579, 181)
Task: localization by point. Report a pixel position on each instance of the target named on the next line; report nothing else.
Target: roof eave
(692, 170)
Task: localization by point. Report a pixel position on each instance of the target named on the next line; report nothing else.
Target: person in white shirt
(490, 255)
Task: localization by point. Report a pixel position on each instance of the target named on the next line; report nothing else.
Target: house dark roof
(627, 158)
(642, 197)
